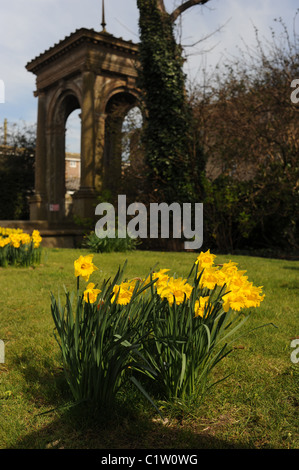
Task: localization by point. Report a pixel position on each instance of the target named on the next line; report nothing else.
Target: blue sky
(29, 27)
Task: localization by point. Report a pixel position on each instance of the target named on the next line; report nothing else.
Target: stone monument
(94, 72)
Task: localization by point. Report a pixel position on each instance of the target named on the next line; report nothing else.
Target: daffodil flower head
(205, 260)
(175, 289)
(84, 267)
(4, 241)
(199, 306)
(15, 240)
(90, 293)
(36, 238)
(210, 277)
(123, 292)
(160, 277)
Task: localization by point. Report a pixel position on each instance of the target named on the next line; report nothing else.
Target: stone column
(38, 202)
(112, 154)
(84, 199)
(99, 150)
(56, 173)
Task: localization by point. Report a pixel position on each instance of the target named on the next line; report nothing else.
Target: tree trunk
(167, 133)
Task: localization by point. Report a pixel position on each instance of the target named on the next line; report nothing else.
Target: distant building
(72, 172)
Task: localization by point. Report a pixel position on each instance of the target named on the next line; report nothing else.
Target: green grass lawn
(255, 407)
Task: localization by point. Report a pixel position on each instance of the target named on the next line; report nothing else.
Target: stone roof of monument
(78, 37)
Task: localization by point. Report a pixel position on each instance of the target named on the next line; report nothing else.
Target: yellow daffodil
(229, 268)
(200, 306)
(36, 238)
(160, 277)
(123, 292)
(205, 260)
(84, 267)
(210, 278)
(15, 240)
(91, 294)
(4, 241)
(234, 300)
(25, 239)
(253, 295)
(175, 289)
(242, 295)
(8, 231)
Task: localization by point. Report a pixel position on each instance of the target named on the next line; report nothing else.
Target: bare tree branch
(183, 7)
(207, 36)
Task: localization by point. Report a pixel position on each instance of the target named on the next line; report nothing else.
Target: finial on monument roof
(103, 17)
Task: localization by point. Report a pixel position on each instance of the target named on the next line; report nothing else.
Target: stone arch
(111, 88)
(66, 98)
(132, 149)
(118, 103)
(64, 102)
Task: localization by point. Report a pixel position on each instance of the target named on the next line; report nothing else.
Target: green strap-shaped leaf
(139, 386)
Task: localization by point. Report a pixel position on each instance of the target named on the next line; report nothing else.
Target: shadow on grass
(133, 423)
(73, 430)
(44, 382)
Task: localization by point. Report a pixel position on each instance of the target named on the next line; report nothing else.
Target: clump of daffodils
(240, 293)
(172, 329)
(19, 248)
(36, 238)
(17, 238)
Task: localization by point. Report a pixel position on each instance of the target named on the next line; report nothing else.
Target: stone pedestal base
(38, 207)
(84, 203)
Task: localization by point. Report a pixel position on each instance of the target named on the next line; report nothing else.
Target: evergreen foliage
(17, 174)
